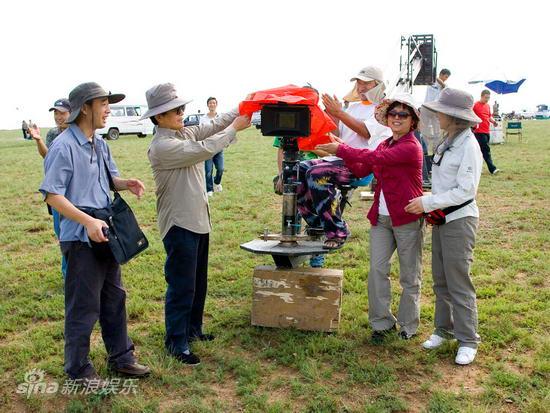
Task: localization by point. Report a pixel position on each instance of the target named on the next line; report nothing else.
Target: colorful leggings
(318, 196)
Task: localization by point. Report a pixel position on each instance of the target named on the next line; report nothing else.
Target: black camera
(286, 120)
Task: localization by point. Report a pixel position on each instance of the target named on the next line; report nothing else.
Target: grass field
(268, 370)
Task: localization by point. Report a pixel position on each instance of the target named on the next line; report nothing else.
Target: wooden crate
(303, 298)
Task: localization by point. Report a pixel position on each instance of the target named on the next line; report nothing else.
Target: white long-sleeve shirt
(456, 179)
(364, 112)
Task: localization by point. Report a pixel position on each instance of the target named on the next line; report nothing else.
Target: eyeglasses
(402, 115)
(180, 110)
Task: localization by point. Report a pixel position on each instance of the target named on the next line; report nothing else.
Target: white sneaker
(210, 193)
(218, 188)
(465, 355)
(433, 342)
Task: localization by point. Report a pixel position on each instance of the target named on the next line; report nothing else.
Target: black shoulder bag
(126, 239)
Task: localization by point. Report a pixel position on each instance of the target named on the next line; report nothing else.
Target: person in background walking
(213, 184)
(483, 130)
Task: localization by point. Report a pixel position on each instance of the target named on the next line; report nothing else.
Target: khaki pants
(455, 296)
(384, 240)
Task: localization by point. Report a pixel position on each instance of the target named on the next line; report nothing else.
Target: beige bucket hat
(162, 98)
(455, 103)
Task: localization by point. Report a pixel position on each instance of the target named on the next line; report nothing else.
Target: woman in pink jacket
(397, 166)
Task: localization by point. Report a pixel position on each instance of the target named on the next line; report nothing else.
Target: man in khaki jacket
(177, 156)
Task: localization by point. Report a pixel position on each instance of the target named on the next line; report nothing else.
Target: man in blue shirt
(76, 177)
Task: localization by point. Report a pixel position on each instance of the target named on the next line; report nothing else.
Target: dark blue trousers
(186, 272)
(93, 291)
(209, 164)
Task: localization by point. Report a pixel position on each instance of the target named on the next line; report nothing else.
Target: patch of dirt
(455, 378)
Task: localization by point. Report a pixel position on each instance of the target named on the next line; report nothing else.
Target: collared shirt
(397, 166)
(75, 169)
(207, 119)
(456, 179)
(432, 92)
(52, 134)
(177, 159)
(364, 112)
(429, 122)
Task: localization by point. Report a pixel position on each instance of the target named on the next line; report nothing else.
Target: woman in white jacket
(456, 172)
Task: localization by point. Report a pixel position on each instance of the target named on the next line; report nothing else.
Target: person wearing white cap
(177, 156)
(452, 208)
(317, 194)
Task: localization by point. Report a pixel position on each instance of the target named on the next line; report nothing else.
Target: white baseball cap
(369, 73)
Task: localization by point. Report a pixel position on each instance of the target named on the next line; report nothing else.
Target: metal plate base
(286, 255)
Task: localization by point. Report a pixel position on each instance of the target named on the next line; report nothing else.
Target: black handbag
(126, 239)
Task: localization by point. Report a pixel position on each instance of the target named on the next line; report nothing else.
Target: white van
(124, 120)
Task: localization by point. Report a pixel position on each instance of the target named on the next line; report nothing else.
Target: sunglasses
(396, 114)
(180, 110)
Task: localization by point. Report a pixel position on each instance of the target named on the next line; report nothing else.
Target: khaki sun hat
(455, 103)
(162, 98)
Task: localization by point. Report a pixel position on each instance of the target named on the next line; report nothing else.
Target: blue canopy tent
(501, 87)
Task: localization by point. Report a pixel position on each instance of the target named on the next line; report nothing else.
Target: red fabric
(397, 166)
(321, 123)
(483, 111)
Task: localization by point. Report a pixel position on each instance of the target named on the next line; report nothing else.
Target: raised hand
(241, 122)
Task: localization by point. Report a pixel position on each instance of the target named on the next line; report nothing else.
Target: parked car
(124, 120)
(192, 120)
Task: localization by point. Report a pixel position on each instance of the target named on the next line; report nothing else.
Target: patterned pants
(318, 195)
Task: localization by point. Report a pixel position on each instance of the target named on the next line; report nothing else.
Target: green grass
(267, 370)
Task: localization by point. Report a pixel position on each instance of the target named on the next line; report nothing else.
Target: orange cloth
(321, 123)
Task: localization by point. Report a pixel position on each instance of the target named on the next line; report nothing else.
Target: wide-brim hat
(86, 92)
(381, 110)
(162, 98)
(455, 103)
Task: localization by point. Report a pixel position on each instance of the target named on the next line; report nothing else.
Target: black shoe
(202, 337)
(189, 359)
(131, 369)
(378, 336)
(403, 335)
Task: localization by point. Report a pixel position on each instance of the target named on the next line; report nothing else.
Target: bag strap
(454, 208)
(111, 183)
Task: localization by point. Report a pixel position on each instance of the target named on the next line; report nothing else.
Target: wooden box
(304, 298)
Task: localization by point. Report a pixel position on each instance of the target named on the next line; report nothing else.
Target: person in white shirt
(455, 179)
(429, 124)
(317, 194)
(213, 184)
